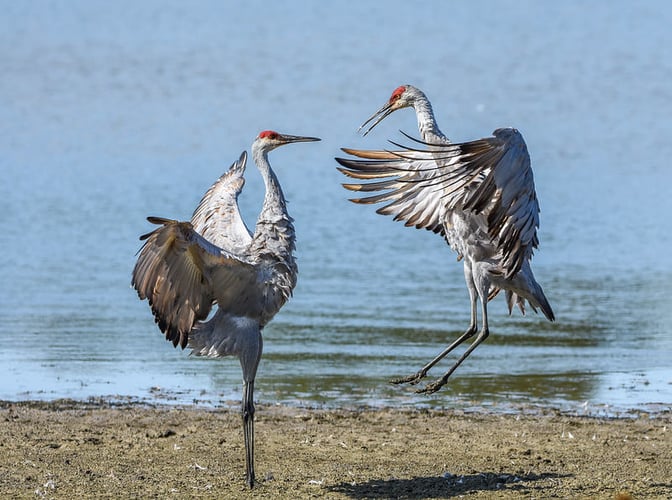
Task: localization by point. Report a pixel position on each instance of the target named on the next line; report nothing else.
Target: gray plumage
(478, 195)
(184, 268)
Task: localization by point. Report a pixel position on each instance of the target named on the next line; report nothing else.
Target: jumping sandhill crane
(478, 195)
(185, 267)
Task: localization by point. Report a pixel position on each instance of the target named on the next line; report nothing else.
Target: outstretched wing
(490, 176)
(217, 217)
(499, 184)
(410, 192)
(182, 274)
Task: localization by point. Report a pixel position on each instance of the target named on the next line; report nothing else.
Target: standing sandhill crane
(186, 267)
(478, 195)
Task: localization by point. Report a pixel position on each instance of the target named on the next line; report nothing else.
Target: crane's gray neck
(274, 197)
(274, 235)
(429, 129)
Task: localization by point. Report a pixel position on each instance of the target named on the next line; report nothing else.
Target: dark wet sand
(65, 449)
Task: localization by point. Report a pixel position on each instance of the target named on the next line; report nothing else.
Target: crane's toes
(411, 379)
(433, 387)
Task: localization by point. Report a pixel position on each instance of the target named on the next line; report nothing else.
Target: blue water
(112, 111)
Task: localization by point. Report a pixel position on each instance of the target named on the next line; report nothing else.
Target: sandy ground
(65, 449)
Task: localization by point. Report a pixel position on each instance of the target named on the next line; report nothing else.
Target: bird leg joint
(248, 412)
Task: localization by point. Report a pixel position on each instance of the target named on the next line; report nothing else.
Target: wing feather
(490, 176)
(217, 217)
(407, 185)
(182, 274)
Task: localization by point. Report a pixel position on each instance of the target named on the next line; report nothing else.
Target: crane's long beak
(287, 139)
(378, 116)
(248, 430)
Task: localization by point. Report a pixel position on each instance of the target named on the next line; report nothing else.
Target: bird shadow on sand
(443, 486)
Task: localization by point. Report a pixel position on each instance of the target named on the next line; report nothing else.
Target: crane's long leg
(473, 296)
(416, 377)
(250, 343)
(248, 430)
(483, 287)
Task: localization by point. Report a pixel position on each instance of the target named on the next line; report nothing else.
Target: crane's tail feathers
(513, 298)
(539, 301)
(536, 301)
(546, 308)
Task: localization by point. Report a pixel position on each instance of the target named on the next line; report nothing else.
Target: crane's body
(478, 195)
(184, 268)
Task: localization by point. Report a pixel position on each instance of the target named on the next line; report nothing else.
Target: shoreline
(67, 448)
(465, 407)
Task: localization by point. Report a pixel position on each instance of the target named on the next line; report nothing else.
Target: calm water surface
(115, 111)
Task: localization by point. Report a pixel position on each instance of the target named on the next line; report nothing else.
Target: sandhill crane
(478, 195)
(186, 267)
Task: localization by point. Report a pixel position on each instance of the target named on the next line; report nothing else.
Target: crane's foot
(433, 387)
(411, 379)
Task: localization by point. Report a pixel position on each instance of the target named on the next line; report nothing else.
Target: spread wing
(410, 193)
(490, 176)
(182, 274)
(217, 217)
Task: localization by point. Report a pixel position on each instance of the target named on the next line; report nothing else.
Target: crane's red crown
(397, 93)
(268, 133)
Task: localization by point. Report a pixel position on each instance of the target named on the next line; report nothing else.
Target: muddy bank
(67, 450)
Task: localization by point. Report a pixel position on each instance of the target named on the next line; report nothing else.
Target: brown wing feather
(174, 273)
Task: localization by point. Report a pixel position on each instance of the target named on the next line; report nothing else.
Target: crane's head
(402, 97)
(268, 140)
